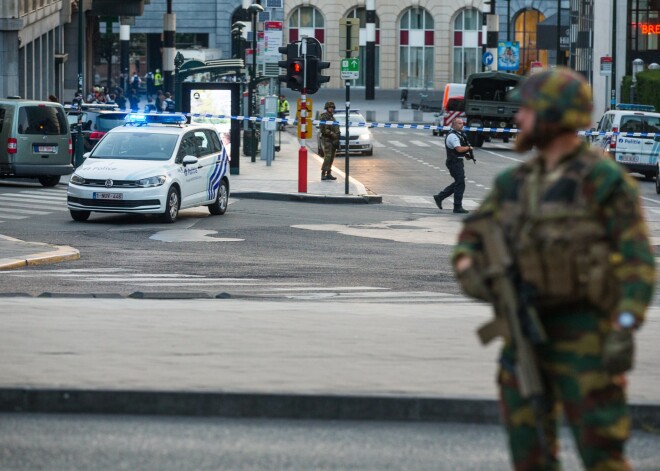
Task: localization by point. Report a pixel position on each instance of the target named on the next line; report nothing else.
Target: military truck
(486, 105)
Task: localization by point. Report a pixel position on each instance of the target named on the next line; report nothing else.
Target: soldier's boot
(330, 176)
(323, 175)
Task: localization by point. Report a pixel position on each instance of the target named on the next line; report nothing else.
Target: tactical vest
(556, 238)
(453, 154)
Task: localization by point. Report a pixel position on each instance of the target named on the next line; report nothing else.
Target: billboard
(508, 56)
(216, 99)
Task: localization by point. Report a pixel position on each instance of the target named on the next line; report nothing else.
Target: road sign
(350, 69)
(606, 66)
(488, 58)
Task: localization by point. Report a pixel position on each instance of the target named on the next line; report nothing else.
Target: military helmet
(559, 96)
(329, 104)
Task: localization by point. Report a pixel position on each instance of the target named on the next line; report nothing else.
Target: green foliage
(648, 88)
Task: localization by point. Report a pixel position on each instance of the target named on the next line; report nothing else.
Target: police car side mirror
(189, 160)
(86, 155)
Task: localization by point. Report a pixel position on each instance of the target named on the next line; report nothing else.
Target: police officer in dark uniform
(458, 148)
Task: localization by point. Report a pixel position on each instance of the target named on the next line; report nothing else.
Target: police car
(154, 164)
(637, 153)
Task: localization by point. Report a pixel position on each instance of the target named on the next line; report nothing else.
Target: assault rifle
(514, 320)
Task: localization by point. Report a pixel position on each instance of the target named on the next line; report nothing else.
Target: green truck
(486, 105)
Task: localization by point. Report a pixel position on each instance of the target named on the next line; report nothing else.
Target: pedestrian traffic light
(315, 78)
(294, 66)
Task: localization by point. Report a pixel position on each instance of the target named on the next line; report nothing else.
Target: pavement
(251, 358)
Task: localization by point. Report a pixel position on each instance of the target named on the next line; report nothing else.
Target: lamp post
(254, 10)
(78, 158)
(637, 67)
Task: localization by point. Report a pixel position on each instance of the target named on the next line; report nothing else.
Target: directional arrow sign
(350, 69)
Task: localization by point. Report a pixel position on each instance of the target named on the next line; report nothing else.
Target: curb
(60, 254)
(309, 198)
(273, 406)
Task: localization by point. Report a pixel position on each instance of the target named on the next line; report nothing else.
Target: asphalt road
(83, 442)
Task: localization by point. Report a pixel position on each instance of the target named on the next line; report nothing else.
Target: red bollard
(302, 169)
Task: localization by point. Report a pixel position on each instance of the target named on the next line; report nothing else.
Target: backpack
(136, 81)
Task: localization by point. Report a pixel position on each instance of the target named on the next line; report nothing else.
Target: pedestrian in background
(330, 139)
(283, 110)
(169, 103)
(458, 148)
(160, 102)
(572, 226)
(53, 98)
(134, 101)
(121, 99)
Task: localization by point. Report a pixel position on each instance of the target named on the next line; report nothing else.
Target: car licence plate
(108, 196)
(42, 149)
(628, 158)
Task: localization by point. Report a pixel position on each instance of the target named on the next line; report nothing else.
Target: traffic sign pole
(348, 109)
(302, 152)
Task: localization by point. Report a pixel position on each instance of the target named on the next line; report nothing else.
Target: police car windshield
(353, 118)
(136, 146)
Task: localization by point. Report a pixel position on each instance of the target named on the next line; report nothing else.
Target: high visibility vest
(284, 106)
(158, 79)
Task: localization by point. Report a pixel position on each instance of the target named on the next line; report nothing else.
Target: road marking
(34, 198)
(397, 143)
(437, 143)
(23, 211)
(650, 199)
(419, 143)
(379, 144)
(501, 156)
(416, 199)
(21, 204)
(11, 216)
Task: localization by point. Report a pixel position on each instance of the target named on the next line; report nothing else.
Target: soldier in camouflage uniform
(573, 225)
(330, 139)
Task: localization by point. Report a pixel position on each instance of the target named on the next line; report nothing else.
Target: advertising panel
(508, 56)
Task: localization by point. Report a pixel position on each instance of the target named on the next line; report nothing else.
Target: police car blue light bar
(155, 118)
(634, 107)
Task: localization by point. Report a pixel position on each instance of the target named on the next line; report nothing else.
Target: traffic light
(315, 78)
(294, 66)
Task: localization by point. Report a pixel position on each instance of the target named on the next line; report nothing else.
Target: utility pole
(614, 81)
(169, 33)
(81, 46)
(370, 69)
(558, 61)
(124, 42)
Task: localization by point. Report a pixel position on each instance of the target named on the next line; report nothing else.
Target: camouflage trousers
(593, 401)
(329, 151)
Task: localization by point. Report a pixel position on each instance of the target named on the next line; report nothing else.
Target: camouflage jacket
(611, 197)
(329, 131)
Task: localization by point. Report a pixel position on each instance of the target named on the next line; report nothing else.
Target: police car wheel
(49, 180)
(219, 206)
(80, 216)
(171, 206)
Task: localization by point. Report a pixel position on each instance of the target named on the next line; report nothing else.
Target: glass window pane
(318, 19)
(405, 20)
(416, 19)
(470, 20)
(470, 61)
(458, 22)
(428, 67)
(428, 20)
(403, 67)
(293, 19)
(458, 65)
(306, 17)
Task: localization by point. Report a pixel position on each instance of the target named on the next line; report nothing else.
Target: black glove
(619, 351)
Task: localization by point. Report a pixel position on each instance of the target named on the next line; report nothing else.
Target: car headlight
(151, 181)
(365, 137)
(77, 179)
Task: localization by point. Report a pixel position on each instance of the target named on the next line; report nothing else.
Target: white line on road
(502, 156)
(419, 143)
(650, 199)
(397, 143)
(21, 204)
(23, 211)
(11, 216)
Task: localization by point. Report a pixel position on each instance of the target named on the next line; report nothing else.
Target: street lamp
(253, 10)
(637, 66)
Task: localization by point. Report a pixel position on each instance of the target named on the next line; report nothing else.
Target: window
(644, 30)
(631, 124)
(416, 40)
(2, 118)
(361, 14)
(47, 120)
(652, 124)
(525, 33)
(467, 44)
(306, 21)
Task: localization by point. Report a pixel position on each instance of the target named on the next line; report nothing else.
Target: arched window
(306, 21)
(525, 34)
(416, 32)
(361, 14)
(467, 44)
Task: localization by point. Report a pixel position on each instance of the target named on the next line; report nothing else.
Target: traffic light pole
(302, 152)
(348, 109)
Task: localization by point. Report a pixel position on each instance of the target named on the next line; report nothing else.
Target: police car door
(629, 148)
(189, 175)
(209, 151)
(651, 145)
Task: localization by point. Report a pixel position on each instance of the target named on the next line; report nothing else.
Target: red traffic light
(296, 67)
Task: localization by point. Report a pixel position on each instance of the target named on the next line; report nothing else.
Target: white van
(637, 154)
(453, 106)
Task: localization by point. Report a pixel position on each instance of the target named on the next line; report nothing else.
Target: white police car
(154, 164)
(638, 153)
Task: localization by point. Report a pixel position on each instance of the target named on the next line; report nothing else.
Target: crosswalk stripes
(29, 203)
(125, 281)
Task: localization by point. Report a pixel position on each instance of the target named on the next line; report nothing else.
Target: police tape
(426, 127)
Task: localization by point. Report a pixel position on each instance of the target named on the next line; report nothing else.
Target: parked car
(637, 154)
(97, 120)
(35, 141)
(360, 139)
(156, 164)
